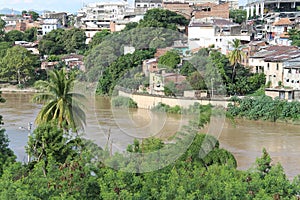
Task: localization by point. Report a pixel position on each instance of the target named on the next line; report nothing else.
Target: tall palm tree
(59, 102)
(235, 56)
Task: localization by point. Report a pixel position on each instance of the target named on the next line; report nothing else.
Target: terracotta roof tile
(282, 22)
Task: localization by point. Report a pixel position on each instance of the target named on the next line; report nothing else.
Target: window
(290, 71)
(268, 66)
(277, 66)
(290, 95)
(220, 40)
(282, 95)
(287, 80)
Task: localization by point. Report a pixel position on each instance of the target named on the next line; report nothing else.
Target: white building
(148, 4)
(98, 16)
(50, 24)
(214, 32)
(291, 73)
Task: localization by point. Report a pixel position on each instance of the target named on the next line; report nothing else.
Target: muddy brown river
(245, 140)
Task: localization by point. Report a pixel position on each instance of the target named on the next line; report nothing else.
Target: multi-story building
(214, 32)
(50, 24)
(262, 6)
(98, 16)
(148, 4)
(61, 16)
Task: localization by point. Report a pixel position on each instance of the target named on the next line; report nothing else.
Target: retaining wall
(148, 101)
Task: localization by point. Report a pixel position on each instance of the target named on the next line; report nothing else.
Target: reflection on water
(245, 140)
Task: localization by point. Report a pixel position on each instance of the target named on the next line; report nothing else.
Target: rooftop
(283, 22)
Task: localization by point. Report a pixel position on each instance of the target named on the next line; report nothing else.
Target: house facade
(280, 64)
(214, 32)
(50, 24)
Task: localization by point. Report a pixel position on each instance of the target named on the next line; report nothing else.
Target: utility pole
(29, 128)
(212, 87)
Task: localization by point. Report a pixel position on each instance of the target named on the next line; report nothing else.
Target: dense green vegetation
(64, 166)
(294, 35)
(170, 60)
(123, 102)
(238, 15)
(209, 68)
(18, 65)
(61, 41)
(264, 108)
(116, 72)
(162, 18)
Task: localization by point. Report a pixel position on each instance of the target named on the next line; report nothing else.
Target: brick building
(211, 10)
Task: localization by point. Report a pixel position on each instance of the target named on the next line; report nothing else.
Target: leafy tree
(170, 60)
(2, 26)
(74, 40)
(30, 35)
(34, 15)
(62, 41)
(60, 103)
(131, 25)
(162, 18)
(170, 89)
(18, 64)
(4, 46)
(235, 56)
(196, 81)
(238, 15)
(14, 35)
(98, 38)
(294, 35)
(115, 72)
(48, 141)
(52, 43)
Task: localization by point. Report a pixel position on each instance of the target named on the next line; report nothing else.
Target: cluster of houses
(264, 35)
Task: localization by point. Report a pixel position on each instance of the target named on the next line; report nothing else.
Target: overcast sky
(52, 5)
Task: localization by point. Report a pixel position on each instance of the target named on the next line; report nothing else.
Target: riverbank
(6, 88)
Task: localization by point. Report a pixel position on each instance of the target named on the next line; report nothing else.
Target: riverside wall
(150, 101)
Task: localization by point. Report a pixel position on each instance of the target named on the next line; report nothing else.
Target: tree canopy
(18, 64)
(169, 60)
(62, 41)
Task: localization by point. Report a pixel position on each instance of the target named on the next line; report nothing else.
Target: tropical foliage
(264, 108)
(60, 103)
(235, 56)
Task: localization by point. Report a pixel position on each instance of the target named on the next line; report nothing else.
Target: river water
(245, 139)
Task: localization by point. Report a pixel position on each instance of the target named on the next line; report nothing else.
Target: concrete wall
(148, 102)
